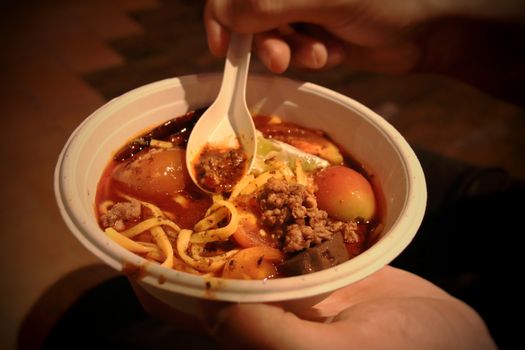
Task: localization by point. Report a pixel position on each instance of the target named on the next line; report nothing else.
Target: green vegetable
(274, 149)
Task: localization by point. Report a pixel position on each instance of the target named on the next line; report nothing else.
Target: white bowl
(365, 135)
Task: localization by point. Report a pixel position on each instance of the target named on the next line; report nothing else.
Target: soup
(305, 206)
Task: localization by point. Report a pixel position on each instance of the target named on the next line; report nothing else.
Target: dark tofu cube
(327, 254)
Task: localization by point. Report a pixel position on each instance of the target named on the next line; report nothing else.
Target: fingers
(261, 326)
(276, 50)
(273, 50)
(246, 17)
(306, 46)
(314, 48)
(308, 52)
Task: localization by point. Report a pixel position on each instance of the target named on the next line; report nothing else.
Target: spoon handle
(233, 84)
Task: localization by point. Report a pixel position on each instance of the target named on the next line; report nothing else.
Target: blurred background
(60, 60)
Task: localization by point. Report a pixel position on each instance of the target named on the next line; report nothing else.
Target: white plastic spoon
(227, 123)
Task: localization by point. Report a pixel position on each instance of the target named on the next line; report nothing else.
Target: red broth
(257, 249)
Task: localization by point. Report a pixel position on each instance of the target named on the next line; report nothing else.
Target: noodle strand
(204, 264)
(149, 224)
(127, 243)
(221, 233)
(164, 244)
(212, 220)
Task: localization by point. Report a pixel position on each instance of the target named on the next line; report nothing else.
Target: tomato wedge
(250, 233)
(254, 263)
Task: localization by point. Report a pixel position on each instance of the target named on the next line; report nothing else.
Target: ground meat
(290, 210)
(120, 214)
(347, 229)
(218, 170)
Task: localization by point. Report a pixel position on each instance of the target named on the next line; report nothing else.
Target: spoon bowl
(227, 123)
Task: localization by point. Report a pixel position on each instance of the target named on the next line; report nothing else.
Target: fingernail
(319, 55)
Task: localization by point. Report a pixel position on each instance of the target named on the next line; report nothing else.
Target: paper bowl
(365, 135)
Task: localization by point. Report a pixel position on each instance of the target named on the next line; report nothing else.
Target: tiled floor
(60, 60)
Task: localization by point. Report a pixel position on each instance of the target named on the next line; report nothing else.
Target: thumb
(263, 326)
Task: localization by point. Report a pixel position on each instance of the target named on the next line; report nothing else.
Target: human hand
(372, 35)
(376, 35)
(392, 309)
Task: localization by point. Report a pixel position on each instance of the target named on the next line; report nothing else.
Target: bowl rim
(251, 290)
